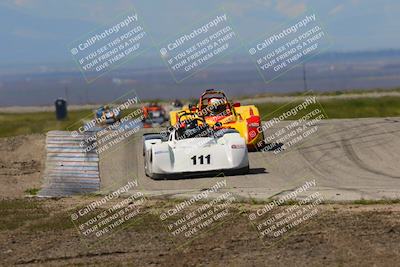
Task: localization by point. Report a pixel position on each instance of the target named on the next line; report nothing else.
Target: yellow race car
(215, 107)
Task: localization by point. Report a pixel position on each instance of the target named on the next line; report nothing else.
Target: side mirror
(236, 105)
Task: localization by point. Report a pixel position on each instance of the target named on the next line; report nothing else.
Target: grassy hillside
(341, 108)
(41, 122)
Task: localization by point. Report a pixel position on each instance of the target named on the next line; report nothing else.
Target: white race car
(194, 149)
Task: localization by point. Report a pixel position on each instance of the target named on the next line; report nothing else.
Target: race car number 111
(201, 159)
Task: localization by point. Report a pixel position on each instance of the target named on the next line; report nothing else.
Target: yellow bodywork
(236, 121)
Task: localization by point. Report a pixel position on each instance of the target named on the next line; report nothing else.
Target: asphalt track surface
(349, 159)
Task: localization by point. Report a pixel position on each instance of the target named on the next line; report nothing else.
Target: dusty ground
(21, 163)
(39, 233)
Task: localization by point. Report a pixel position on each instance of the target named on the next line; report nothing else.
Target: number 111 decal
(201, 159)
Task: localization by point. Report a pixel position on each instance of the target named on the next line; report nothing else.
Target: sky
(39, 31)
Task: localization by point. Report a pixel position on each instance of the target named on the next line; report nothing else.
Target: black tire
(157, 177)
(145, 170)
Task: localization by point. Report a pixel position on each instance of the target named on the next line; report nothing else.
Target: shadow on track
(251, 171)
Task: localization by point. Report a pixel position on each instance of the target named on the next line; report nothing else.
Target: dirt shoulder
(39, 233)
(22, 160)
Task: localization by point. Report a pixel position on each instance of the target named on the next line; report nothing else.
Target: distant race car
(194, 148)
(107, 115)
(153, 115)
(215, 107)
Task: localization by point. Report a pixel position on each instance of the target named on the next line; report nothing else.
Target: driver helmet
(213, 101)
(218, 106)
